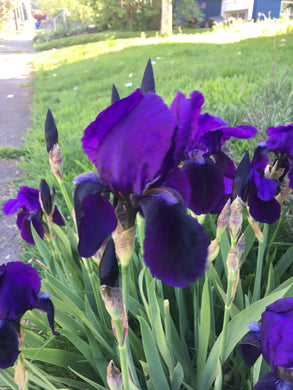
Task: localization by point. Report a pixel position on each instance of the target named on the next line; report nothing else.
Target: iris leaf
(156, 370)
(237, 328)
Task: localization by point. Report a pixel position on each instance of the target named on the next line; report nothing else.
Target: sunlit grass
(236, 79)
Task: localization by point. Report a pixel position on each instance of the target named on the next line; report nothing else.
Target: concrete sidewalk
(16, 55)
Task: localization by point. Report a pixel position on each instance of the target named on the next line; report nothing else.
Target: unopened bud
(235, 222)
(223, 219)
(255, 227)
(47, 198)
(213, 250)
(108, 269)
(112, 297)
(124, 243)
(240, 248)
(114, 377)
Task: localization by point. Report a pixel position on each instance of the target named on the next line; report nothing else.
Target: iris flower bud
(114, 377)
(235, 222)
(53, 149)
(109, 279)
(223, 219)
(47, 198)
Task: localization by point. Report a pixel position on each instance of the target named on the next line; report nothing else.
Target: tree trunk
(166, 21)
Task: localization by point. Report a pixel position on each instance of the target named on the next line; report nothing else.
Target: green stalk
(259, 264)
(228, 305)
(122, 354)
(125, 284)
(65, 195)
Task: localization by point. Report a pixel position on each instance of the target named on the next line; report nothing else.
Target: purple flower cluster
(273, 338)
(28, 200)
(137, 145)
(19, 291)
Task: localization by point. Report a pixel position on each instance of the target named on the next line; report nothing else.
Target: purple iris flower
(19, 291)
(263, 206)
(28, 200)
(274, 340)
(136, 144)
(258, 191)
(280, 140)
(210, 178)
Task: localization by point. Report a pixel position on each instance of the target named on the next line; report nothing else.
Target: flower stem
(65, 195)
(122, 353)
(228, 305)
(125, 284)
(259, 264)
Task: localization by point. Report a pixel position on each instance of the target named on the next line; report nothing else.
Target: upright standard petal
(95, 217)
(175, 245)
(105, 121)
(130, 156)
(281, 139)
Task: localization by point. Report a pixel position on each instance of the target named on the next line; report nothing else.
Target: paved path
(16, 54)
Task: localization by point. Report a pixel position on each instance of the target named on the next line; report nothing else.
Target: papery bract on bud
(235, 221)
(19, 291)
(114, 377)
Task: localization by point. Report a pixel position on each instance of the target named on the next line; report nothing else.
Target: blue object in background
(270, 8)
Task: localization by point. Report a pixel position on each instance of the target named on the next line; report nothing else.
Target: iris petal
(24, 220)
(11, 206)
(8, 344)
(138, 144)
(179, 182)
(104, 122)
(95, 218)
(45, 304)
(250, 348)
(57, 217)
(19, 287)
(206, 182)
(29, 197)
(262, 211)
(175, 246)
(268, 382)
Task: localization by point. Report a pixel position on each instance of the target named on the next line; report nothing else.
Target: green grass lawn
(244, 82)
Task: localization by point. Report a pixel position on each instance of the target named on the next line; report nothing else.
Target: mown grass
(243, 82)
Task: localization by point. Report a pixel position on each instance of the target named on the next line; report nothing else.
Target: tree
(5, 11)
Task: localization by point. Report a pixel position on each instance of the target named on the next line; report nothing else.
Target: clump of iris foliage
(182, 332)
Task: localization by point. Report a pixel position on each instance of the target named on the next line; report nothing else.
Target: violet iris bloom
(28, 200)
(209, 178)
(281, 142)
(274, 340)
(136, 144)
(263, 206)
(19, 291)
